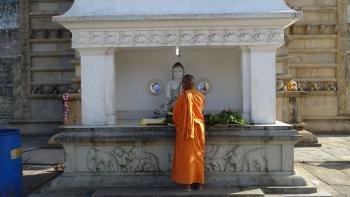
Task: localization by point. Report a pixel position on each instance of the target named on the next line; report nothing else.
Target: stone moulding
(120, 156)
(185, 37)
(152, 23)
(121, 10)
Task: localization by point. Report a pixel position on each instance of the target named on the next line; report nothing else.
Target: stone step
(298, 145)
(168, 192)
(290, 190)
(317, 194)
(175, 191)
(62, 192)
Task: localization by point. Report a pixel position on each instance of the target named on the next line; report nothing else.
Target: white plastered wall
(136, 67)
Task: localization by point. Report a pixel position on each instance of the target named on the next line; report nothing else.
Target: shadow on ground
(36, 176)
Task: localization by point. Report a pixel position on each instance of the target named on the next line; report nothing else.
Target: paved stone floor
(39, 162)
(326, 167)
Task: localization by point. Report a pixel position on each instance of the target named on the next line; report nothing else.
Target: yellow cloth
(188, 162)
(157, 121)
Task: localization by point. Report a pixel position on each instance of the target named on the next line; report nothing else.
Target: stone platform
(126, 155)
(324, 168)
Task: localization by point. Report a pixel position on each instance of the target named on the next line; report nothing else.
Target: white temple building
(123, 44)
(245, 36)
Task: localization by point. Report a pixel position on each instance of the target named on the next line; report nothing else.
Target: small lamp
(177, 51)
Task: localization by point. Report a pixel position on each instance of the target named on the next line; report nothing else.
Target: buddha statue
(292, 85)
(173, 86)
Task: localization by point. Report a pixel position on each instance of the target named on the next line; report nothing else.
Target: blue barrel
(10, 163)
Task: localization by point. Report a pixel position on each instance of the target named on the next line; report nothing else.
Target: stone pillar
(98, 80)
(263, 84)
(246, 82)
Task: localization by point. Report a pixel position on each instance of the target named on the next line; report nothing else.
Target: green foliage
(224, 118)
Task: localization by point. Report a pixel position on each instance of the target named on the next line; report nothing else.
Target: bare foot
(187, 188)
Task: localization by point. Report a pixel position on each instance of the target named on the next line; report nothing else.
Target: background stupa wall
(315, 53)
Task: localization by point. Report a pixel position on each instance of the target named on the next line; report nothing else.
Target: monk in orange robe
(188, 162)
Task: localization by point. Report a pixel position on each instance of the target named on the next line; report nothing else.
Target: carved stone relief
(218, 158)
(68, 163)
(313, 29)
(122, 159)
(309, 85)
(142, 161)
(53, 89)
(99, 160)
(235, 159)
(188, 37)
(287, 157)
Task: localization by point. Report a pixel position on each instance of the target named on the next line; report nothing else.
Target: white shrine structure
(100, 29)
(125, 43)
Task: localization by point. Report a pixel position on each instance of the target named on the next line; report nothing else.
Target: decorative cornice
(179, 37)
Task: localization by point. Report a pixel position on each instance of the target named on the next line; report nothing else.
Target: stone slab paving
(43, 156)
(33, 143)
(39, 163)
(313, 181)
(326, 167)
(36, 151)
(310, 154)
(35, 176)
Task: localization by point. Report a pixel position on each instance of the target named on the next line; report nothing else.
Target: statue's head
(188, 82)
(178, 71)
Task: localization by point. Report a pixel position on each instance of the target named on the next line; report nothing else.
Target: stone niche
(136, 67)
(123, 44)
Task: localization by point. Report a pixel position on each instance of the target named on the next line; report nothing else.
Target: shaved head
(188, 82)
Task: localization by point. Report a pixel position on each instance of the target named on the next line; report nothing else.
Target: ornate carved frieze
(55, 89)
(301, 29)
(309, 85)
(235, 159)
(50, 34)
(217, 159)
(186, 37)
(68, 162)
(122, 159)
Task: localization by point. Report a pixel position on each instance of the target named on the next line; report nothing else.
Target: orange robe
(188, 162)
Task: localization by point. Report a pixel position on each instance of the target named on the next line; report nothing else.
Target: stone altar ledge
(133, 155)
(122, 132)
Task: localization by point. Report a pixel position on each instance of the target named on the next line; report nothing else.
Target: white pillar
(98, 81)
(110, 81)
(263, 84)
(245, 77)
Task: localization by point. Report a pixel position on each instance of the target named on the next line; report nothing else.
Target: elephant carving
(240, 160)
(122, 159)
(100, 161)
(215, 159)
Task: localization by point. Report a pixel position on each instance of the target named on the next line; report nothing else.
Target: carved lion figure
(142, 161)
